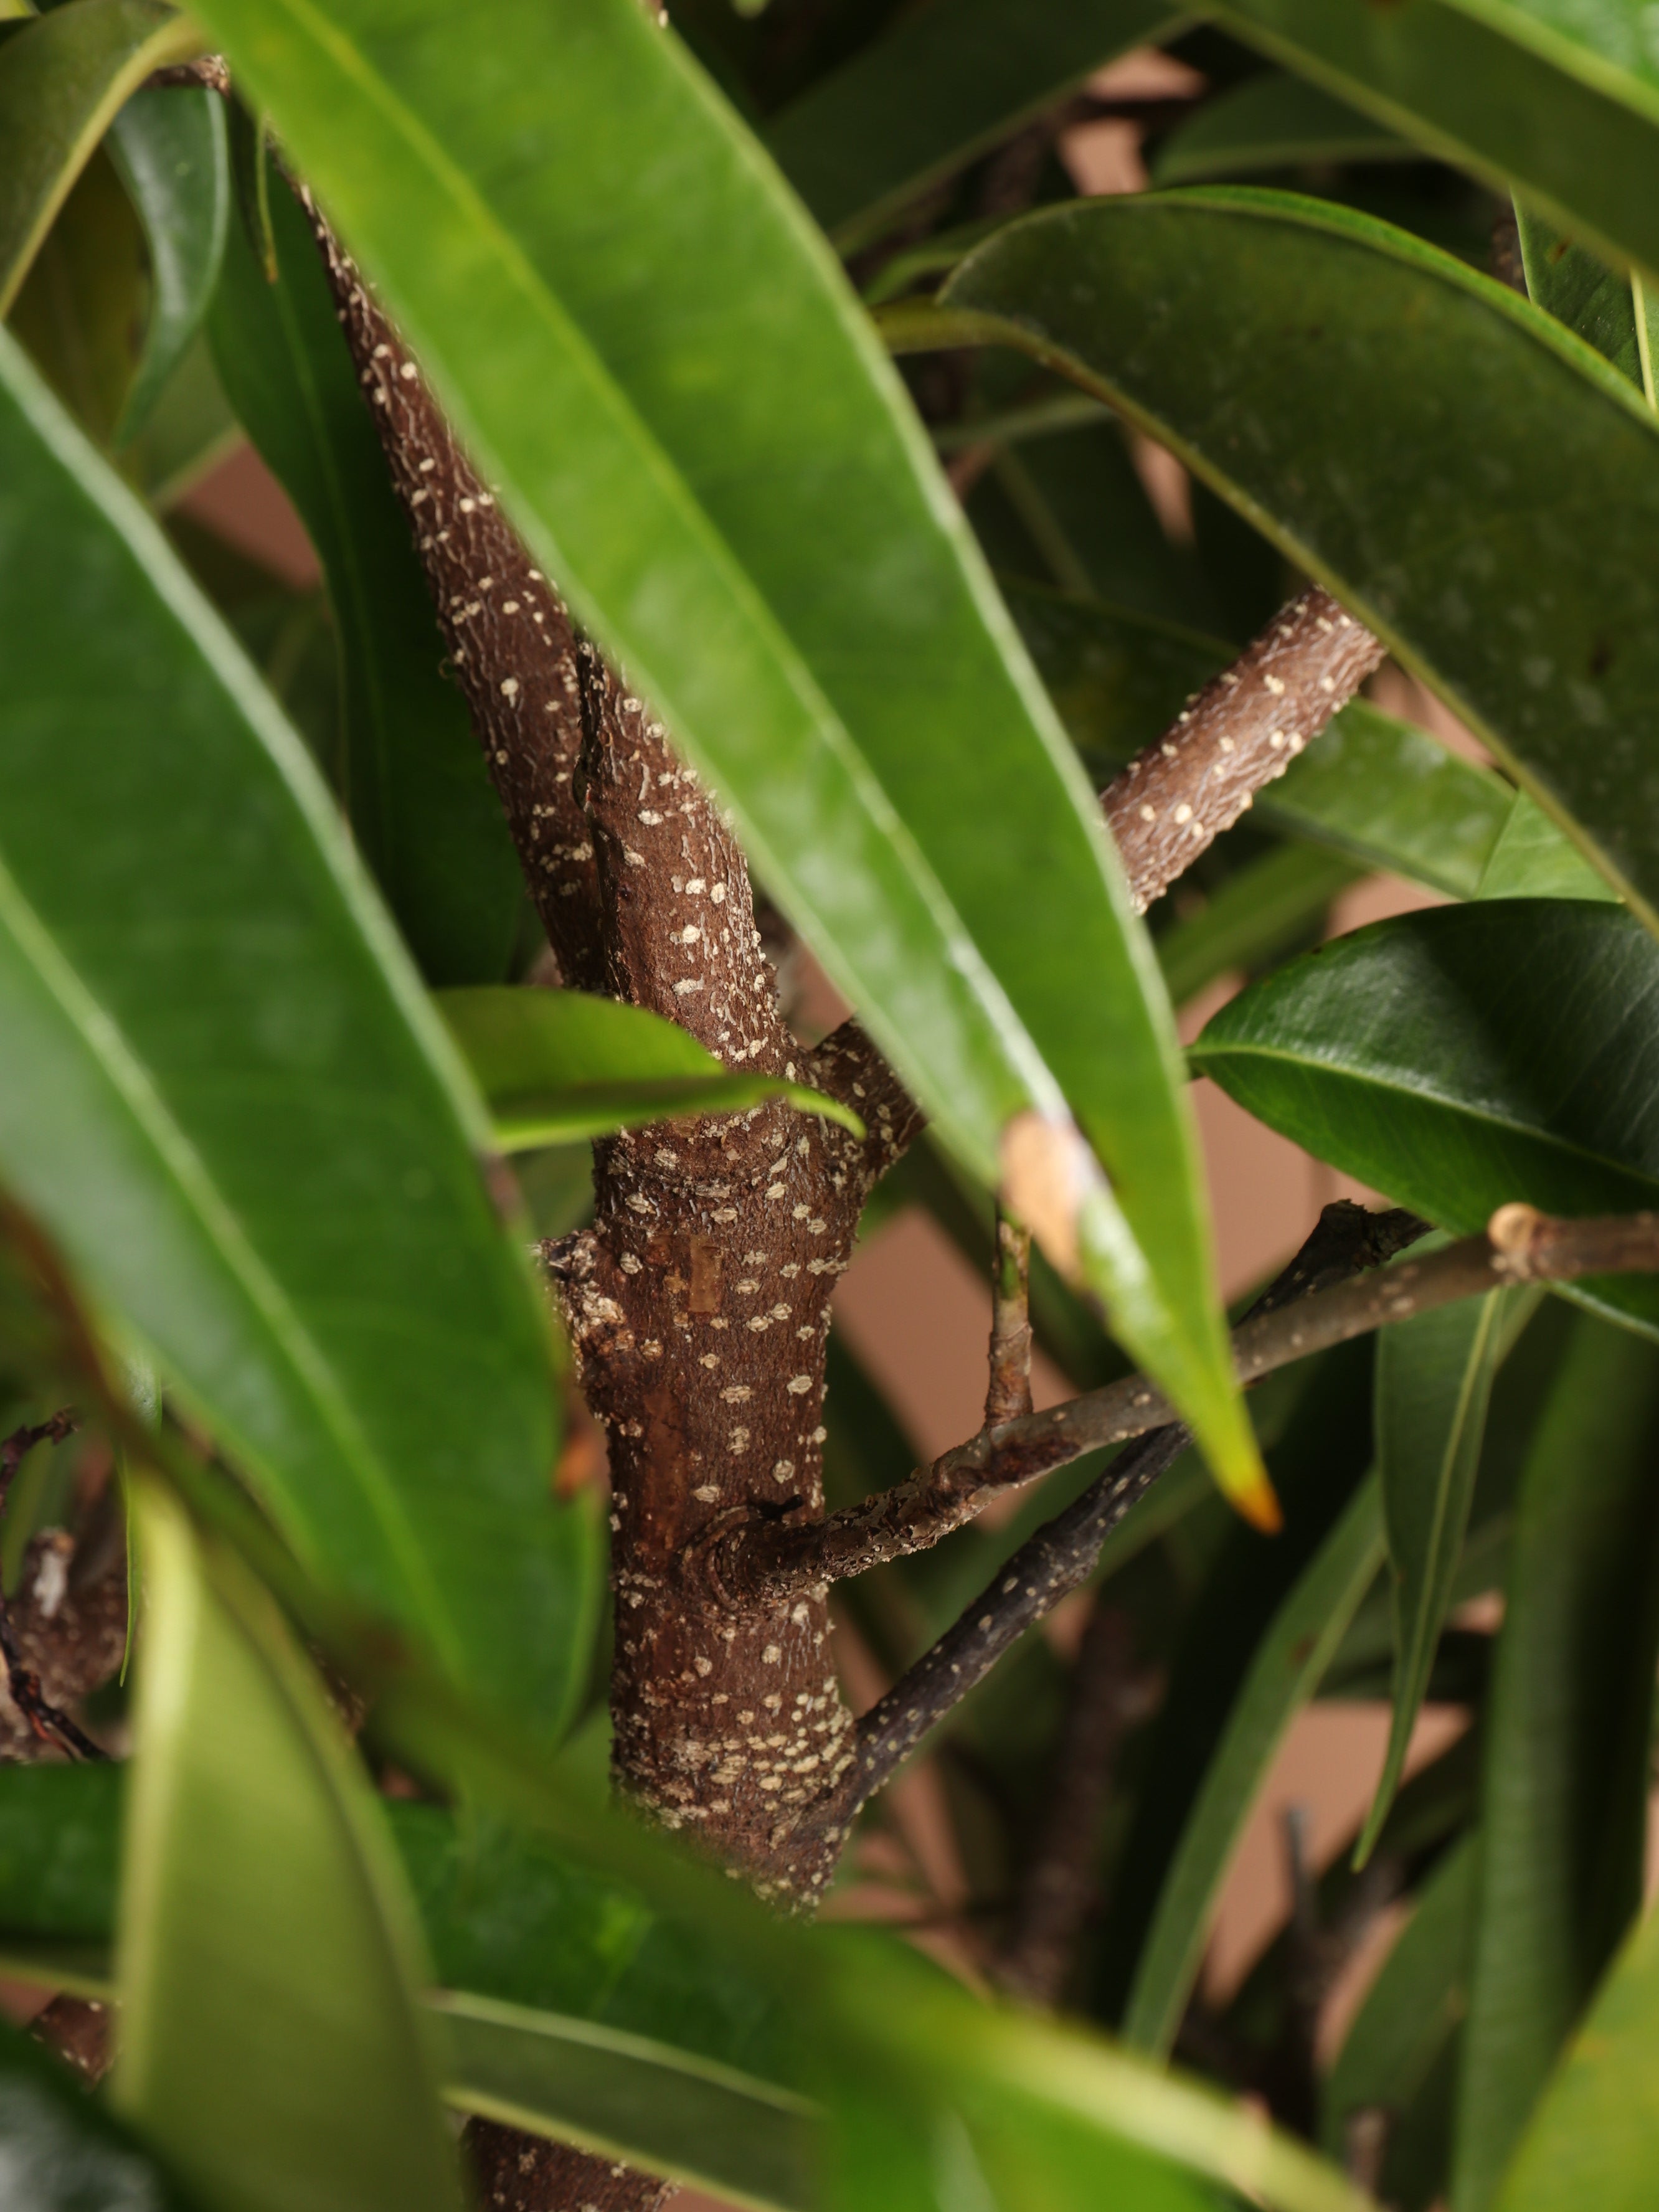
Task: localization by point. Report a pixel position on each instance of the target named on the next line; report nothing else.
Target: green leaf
(1607, 308)
(1559, 99)
(1414, 2007)
(1592, 2139)
(227, 1100)
(1565, 1797)
(59, 2149)
(1273, 901)
(941, 86)
(63, 78)
(1532, 860)
(1283, 1676)
(1260, 1629)
(412, 777)
(270, 2041)
(169, 145)
(1463, 1057)
(557, 1065)
(703, 444)
(1287, 349)
(1434, 1376)
(1272, 121)
(1388, 794)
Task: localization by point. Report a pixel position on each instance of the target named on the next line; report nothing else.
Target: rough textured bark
(1241, 732)
(517, 2173)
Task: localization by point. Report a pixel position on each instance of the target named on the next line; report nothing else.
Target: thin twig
(1239, 733)
(48, 1723)
(1345, 1240)
(1519, 1245)
(16, 1448)
(1008, 1394)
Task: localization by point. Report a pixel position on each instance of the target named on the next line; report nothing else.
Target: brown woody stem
(1240, 733)
(1520, 1245)
(1008, 1394)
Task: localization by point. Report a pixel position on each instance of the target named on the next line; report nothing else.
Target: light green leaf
(1464, 1057)
(1559, 99)
(1272, 121)
(1283, 1676)
(1565, 1797)
(1593, 2139)
(557, 1065)
(270, 2041)
(170, 147)
(1532, 859)
(939, 87)
(686, 412)
(227, 1100)
(63, 78)
(1286, 348)
(1434, 1376)
(412, 777)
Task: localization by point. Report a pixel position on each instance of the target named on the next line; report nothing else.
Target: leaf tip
(1254, 1496)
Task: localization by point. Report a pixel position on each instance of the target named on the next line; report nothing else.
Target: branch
(1241, 732)
(1061, 1555)
(1008, 1394)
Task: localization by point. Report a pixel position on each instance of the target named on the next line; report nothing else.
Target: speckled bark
(1239, 733)
(517, 2173)
(699, 1303)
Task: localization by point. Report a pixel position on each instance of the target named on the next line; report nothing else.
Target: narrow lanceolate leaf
(1608, 308)
(1464, 1057)
(227, 1099)
(1286, 348)
(1228, 1701)
(1434, 1377)
(1532, 859)
(1283, 1676)
(1375, 787)
(686, 412)
(1559, 99)
(1565, 1797)
(1593, 2139)
(410, 773)
(62, 80)
(1414, 2007)
(937, 88)
(270, 2040)
(1274, 901)
(554, 1065)
(1271, 122)
(170, 147)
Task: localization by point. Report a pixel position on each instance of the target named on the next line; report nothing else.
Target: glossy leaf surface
(231, 1105)
(1287, 349)
(1373, 786)
(1565, 1797)
(557, 1065)
(411, 775)
(935, 89)
(1434, 1376)
(1559, 99)
(1272, 122)
(62, 80)
(705, 446)
(170, 146)
(1463, 1057)
(270, 2040)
